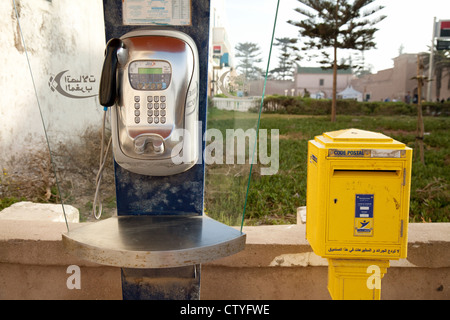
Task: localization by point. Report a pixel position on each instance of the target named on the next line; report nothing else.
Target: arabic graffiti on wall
(74, 87)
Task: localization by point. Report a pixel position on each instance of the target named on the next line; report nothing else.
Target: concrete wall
(236, 104)
(59, 35)
(396, 82)
(280, 87)
(276, 264)
(393, 83)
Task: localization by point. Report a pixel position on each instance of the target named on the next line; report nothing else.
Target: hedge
(308, 106)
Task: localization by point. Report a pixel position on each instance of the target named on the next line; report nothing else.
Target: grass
(9, 201)
(274, 199)
(271, 199)
(226, 184)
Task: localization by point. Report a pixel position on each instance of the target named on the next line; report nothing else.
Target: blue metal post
(180, 194)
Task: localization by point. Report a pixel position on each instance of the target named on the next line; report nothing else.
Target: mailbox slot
(353, 173)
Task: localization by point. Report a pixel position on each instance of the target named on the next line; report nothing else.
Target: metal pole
(431, 67)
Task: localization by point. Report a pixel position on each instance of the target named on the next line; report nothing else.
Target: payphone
(150, 79)
(154, 83)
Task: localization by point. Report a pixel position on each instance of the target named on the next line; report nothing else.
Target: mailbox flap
(357, 135)
(356, 138)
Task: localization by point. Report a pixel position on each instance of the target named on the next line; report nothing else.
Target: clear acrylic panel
(236, 148)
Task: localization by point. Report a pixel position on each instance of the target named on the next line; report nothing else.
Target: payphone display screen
(150, 75)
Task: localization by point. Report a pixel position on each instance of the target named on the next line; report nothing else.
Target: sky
(409, 23)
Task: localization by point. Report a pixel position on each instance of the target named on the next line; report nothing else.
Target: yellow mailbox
(357, 202)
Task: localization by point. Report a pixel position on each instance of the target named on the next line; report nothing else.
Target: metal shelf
(154, 241)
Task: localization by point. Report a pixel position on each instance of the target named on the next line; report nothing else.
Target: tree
(442, 64)
(421, 79)
(287, 60)
(337, 24)
(249, 53)
(441, 68)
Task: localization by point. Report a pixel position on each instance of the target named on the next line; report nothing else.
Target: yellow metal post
(356, 279)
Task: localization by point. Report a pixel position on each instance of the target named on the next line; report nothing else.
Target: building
(392, 84)
(313, 81)
(396, 83)
(318, 82)
(221, 53)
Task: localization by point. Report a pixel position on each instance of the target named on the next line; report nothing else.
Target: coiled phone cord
(103, 156)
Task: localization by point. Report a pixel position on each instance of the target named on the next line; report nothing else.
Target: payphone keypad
(137, 111)
(156, 110)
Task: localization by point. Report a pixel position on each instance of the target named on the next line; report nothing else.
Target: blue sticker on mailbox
(364, 206)
(364, 215)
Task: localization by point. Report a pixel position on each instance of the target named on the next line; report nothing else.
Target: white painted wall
(59, 35)
(236, 104)
(311, 81)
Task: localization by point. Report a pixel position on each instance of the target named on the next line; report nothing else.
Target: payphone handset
(151, 79)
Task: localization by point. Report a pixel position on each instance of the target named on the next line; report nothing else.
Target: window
(321, 82)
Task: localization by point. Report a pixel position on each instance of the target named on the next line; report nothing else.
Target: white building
(221, 52)
(319, 82)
